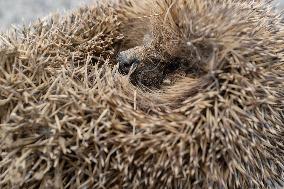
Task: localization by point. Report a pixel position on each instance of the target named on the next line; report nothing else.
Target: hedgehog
(145, 94)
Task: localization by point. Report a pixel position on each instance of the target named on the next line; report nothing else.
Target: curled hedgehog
(145, 94)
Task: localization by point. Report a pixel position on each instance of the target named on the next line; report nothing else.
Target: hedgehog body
(70, 119)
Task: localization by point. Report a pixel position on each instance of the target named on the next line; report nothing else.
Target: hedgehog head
(194, 39)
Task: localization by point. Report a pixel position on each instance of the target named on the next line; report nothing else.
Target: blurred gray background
(24, 11)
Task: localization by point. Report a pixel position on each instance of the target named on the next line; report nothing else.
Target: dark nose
(125, 62)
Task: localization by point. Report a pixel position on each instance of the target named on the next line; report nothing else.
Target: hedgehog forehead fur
(196, 100)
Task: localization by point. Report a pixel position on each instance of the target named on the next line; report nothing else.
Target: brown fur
(69, 119)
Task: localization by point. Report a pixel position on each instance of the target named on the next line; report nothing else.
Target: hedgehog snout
(127, 60)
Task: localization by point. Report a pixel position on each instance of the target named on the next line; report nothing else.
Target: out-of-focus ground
(24, 11)
(17, 12)
(281, 3)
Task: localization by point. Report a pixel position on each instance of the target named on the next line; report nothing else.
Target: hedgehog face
(150, 71)
(143, 65)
